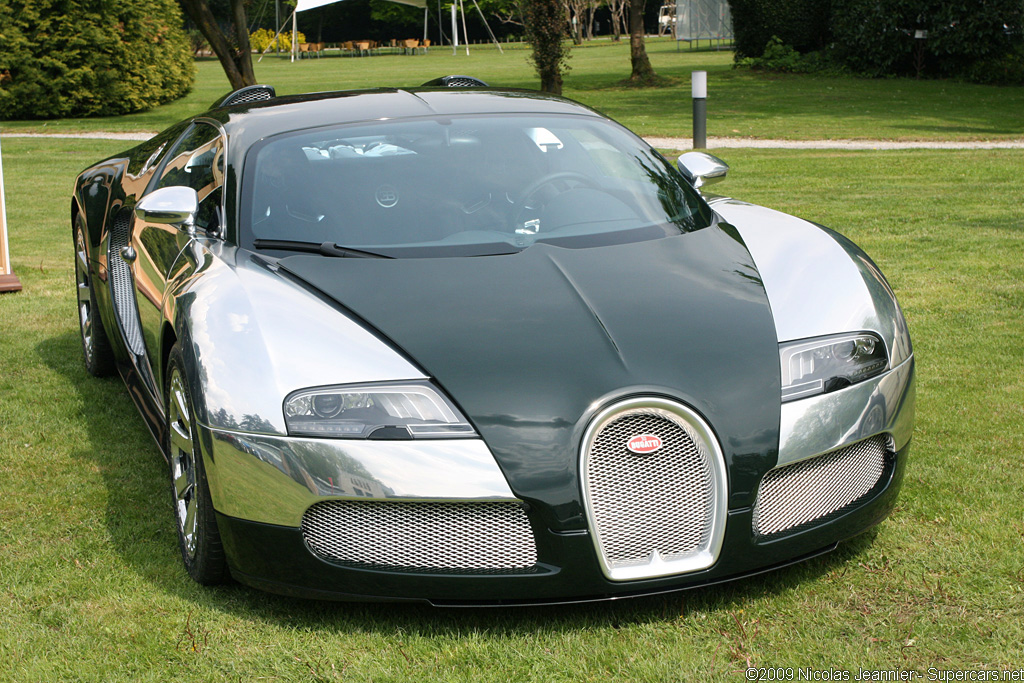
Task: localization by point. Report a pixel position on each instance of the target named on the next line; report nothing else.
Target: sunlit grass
(741, 103)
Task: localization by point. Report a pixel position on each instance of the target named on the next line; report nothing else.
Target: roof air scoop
(247, 95)
(455, 82)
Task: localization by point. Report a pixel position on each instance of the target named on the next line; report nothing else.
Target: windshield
(464, 186)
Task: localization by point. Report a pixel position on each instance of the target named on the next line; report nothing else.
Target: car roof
(248, 123)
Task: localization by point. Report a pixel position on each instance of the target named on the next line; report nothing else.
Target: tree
(642, 69)
(618, 10)
(545, 30)
(232, 47)
(60, 58)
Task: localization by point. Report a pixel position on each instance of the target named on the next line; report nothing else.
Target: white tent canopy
(304, 5)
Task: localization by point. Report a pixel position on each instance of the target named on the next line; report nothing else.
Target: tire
(198, 538)
(96, 351)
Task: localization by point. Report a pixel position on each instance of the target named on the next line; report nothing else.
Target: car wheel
(198, 537)
(99, 359)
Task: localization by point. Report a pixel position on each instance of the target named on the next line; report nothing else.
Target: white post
(9, 282)
(5, 258)
(295, 32)
(455, 31)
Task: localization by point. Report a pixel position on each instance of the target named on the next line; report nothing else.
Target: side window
(197, 161)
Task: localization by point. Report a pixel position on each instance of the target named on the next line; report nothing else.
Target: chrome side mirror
(701, 168)
(175, 205)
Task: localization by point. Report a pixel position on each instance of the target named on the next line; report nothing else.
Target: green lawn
(92, 584)
(741, 103)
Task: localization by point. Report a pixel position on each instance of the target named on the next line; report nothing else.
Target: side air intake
(455, 82)
(247, 95)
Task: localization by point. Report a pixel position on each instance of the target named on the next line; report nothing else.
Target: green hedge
(878, 38)
(61, 58)
(801, 24)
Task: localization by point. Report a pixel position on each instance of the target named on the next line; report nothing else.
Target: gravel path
(722, 143)
(670, 143)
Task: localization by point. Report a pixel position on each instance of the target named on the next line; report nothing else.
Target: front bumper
(262, 486)
(277, 559)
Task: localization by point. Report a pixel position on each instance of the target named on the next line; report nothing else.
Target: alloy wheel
(183, 463)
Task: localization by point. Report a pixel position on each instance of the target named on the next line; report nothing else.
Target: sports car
(470, 345)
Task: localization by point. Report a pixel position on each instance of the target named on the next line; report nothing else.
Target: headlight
(826, 364)
(407, 410)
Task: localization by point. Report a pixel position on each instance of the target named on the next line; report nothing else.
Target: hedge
(801, 24)
(878, 38)
(61, 58)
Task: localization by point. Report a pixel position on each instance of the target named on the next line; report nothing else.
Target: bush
(802, 24)
(879, 38)
(263, 39)
(1005, 70)
(784, 59)
(91, 58)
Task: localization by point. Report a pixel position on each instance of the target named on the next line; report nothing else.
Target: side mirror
(175, 205)
(702, 169)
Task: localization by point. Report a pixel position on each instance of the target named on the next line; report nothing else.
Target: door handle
(128, 254)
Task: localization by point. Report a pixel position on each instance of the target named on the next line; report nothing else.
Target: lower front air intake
(436, 537)
(812, 489)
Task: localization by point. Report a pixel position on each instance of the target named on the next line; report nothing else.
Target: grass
(741, 103)
(92, 584)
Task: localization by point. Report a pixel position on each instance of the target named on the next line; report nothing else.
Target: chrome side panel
(273, 479)
(258, 336)
(834, 289)
(820, 424)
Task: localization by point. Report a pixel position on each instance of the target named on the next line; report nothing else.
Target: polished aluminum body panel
(884, 404)
(818, 282)
(261, 336)
(289, 474)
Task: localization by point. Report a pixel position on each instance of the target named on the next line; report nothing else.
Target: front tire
(96, 351)
(198, 536)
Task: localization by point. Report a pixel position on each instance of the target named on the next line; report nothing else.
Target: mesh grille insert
(463, 537)
(121, 287)
(662, 502)
(252, 93)
(463, 82)
(811, 489)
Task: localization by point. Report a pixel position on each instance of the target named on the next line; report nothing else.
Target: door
(196, 161)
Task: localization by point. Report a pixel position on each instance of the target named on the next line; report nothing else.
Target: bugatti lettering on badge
(644, 444)
(387, 196)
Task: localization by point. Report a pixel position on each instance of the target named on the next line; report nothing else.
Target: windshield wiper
(325, 248)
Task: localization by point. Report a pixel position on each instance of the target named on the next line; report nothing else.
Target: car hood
(532, 345)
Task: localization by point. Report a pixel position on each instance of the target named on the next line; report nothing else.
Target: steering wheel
(551, 178)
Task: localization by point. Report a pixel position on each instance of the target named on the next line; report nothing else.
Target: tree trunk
(642, 69)
(236, 60)
(544, 21)
(616, 7)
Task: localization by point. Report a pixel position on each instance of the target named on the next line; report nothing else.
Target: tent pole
(465, 33)
(295, 32)
(455, 30)
(277, 41)
(488, 26)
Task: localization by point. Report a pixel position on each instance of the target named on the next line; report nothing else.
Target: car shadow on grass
(140, 524)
